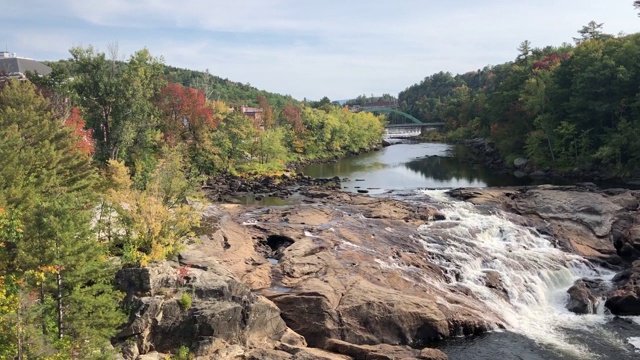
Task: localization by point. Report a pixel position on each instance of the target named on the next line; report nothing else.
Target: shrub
(185, 301)
(183, 352)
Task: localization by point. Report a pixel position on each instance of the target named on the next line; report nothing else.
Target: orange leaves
(52, 269)
(84, 140)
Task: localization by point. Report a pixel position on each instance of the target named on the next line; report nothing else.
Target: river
(536, 274)
(408, 166)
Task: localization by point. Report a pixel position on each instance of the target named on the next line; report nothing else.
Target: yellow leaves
(151, 226)
(118, 174)
(220, 109)
(54, 269)
(8, 300)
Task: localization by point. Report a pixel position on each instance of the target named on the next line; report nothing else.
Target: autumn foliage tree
(84, 140)
(189, 118)
(268, 118)
(149, 224)
(187, 114)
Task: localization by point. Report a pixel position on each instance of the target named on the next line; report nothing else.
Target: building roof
(12, 65)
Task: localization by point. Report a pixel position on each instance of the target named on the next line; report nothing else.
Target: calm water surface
(411, 166)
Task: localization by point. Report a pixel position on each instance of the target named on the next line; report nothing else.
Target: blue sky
(309, 48)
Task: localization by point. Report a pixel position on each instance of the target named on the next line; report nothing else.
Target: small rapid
(478, 245)
(530, 275)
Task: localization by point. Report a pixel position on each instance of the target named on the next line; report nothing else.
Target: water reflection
(456, 168)
(410, 166)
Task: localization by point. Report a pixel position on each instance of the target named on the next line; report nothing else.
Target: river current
(473, 241)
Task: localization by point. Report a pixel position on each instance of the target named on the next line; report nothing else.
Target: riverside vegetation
(569, 108)
(97, 161)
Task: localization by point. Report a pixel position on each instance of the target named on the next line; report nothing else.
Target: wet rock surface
(584, 220)
(601, 225)
(625, 300)
(586, 295)
(227, 188)
(346, 276)
(383, 351)
(339, 266)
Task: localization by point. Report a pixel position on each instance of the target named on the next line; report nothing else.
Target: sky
(309, 48)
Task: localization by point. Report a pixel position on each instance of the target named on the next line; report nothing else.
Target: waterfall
(535, 275)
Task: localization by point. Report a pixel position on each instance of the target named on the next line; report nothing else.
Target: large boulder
(520, 163)
(625, 236)
(222, 311)
(625, 300)
(585, 295)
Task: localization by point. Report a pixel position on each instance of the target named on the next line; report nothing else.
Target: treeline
(364, 99)
(214, 87)
(133, 109)
(97, 163)
(572, 107)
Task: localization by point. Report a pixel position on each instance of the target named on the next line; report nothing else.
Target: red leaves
(183, 274)
(549, 61)
(185, 111)
(84, 140)
(293, 116)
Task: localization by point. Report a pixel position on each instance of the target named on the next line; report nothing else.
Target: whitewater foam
(534, 274)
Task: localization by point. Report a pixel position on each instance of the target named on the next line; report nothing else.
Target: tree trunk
(19, 328)
(42, 299)
(59, 304)
(553, 158)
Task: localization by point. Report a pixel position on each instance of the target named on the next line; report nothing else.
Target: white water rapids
(534, 273)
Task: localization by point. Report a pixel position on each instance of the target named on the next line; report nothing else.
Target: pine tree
(49, 183)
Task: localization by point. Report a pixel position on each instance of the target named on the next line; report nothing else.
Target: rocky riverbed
(345, 276)
(600, 225)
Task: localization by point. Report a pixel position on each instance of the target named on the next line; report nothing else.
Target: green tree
(592, 30)
(270, 146)
(524, 50)
(51, 185)
(535, 97)
(117, 98)
(234, 139)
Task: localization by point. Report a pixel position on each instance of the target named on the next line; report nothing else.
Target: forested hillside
(214, 87)
(217, 88)
(97, 161)
(572, 107)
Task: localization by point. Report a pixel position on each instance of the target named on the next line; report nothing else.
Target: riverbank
(485, 152)
(336, 275)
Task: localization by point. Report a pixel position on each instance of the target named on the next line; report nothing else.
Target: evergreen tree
(49, 184)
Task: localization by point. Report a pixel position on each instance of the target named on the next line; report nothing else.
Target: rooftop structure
(14, 67)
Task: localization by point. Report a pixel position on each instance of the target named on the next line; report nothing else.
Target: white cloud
(313, 48)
